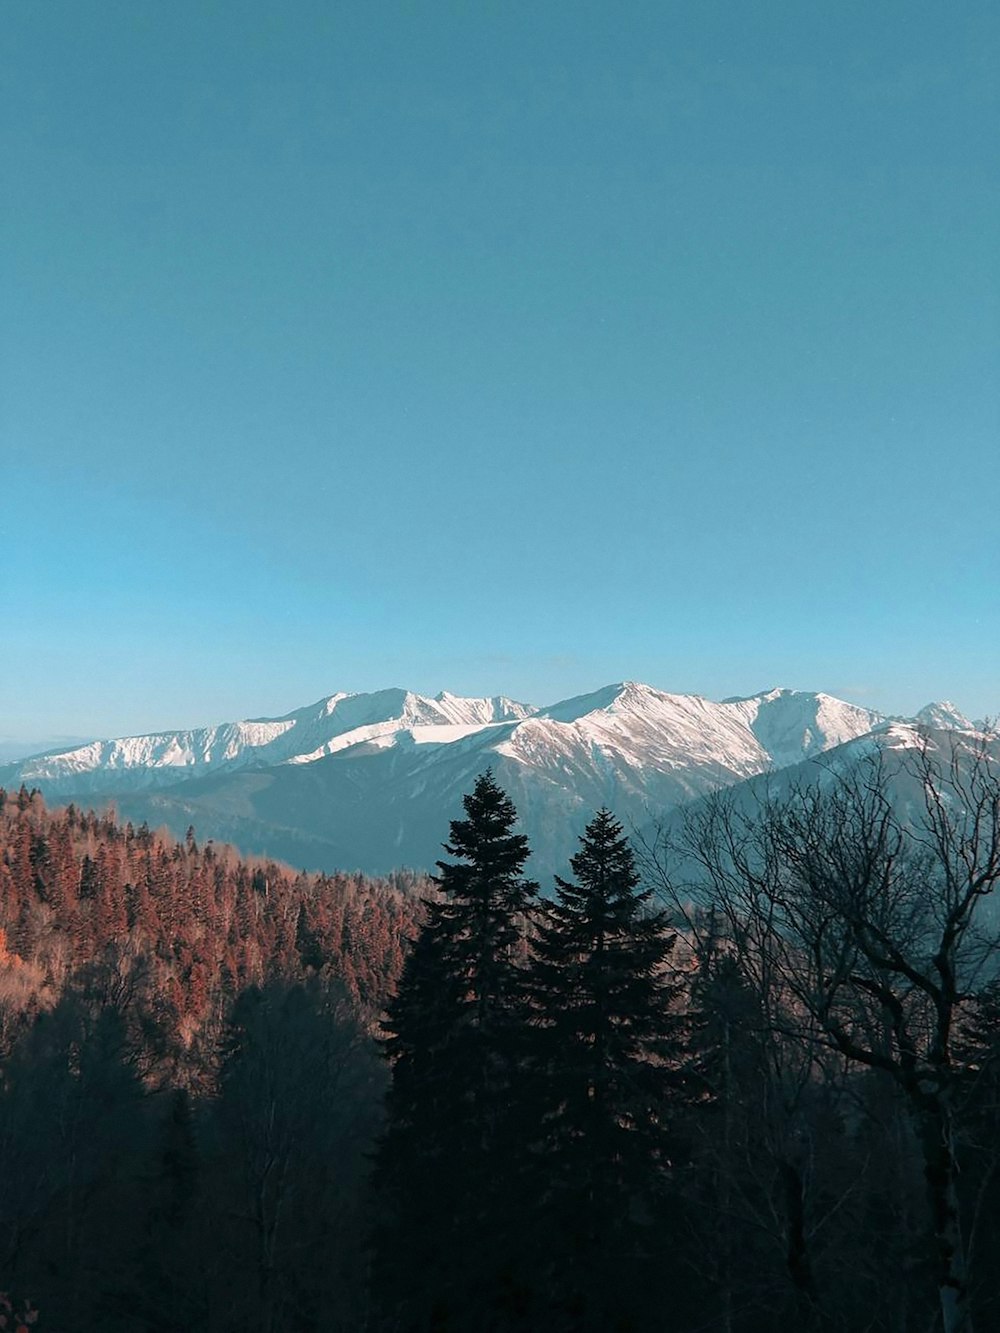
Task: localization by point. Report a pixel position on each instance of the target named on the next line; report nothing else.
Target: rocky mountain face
(370, 781)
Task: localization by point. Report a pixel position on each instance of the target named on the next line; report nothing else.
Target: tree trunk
(797, 1257)
(726, 1193)
(940, 1169)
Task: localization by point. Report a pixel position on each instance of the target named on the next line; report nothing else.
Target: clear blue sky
(507, 346)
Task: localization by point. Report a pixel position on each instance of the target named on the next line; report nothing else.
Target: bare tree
(862, 906)
(760, 1191)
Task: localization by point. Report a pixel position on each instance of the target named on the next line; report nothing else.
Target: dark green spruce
(447, 1239)
(606, 1048)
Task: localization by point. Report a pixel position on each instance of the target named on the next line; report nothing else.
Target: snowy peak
(625, 741)
(739, 736)
(394, 717)
(582, 705)
(944, 716)
(172, 750)
(499, 708)
(391, 716)
(337, 722)
(792, 725)
(637, 738)
(627, 697)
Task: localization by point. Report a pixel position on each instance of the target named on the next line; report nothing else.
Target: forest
(744, 1079)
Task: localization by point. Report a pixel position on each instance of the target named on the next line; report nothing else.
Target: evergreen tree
(606, 1050)
(445, 1245)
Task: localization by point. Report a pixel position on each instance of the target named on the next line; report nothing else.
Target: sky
(499, 348)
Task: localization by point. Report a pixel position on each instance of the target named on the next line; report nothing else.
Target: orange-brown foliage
(197, 924)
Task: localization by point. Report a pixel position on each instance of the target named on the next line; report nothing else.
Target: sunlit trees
(187, 1098)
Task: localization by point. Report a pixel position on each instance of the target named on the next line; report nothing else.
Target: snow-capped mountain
(371, 780)
(792, 725)
(334, 723)
(944, 716)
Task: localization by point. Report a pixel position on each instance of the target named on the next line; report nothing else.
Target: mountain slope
(331, 724)
(371, 780)
(792, 725)
(897, 752)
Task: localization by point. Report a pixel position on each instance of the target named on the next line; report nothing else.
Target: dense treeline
(188, 1083)
(189, 926)
(766, 1096)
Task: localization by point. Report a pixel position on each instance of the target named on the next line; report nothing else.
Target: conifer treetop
(494, 855)
(605, 859)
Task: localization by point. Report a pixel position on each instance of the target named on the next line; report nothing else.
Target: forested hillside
(773, 1105)
(188, 926)
(240, 1100)
(189, 1084)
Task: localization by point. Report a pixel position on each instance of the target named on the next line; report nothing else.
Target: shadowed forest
(233, 1097)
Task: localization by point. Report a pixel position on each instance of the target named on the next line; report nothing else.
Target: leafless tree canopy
(861, 906)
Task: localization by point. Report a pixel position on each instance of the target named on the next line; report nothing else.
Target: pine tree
(454, 1039)
(606, 1044)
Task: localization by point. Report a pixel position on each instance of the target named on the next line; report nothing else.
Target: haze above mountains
(370, 781)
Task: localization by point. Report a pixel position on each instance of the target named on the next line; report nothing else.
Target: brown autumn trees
(194, 925)
(188, 1086)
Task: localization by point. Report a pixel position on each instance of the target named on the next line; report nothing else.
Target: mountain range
(370, 781)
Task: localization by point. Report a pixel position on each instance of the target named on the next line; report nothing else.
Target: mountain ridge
(369, 781)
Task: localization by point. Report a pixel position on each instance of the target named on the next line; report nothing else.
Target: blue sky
(498, 348)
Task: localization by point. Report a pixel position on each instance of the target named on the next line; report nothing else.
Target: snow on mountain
(792, 725)
(371, 780)
(334, 723)
(945, 716)
(634, 726)
(207, 746)
(894, 748)
(12, 750)
(394, 716)
(467, 712)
